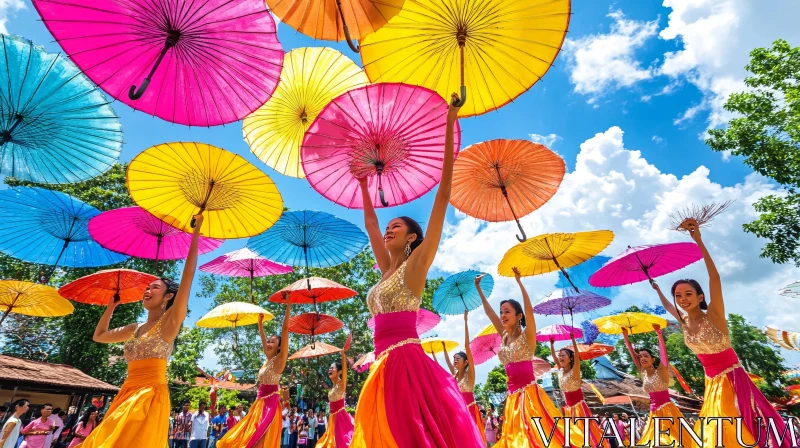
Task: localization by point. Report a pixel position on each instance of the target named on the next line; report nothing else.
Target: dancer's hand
(655, 285)
(624, 331)
(198, 221)
(260, 319)
(517, 275)
(656, 327)
(113, 301)
(691, 226)
(362, 181)
(478, 279)
(452, 111)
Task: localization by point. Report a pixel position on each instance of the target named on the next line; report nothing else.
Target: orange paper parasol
(314, 324)
(501, 180)
(315, 350)
(100, 287)
(312, 290)
(593, 351)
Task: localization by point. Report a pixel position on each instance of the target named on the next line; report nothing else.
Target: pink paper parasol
(645, 263)
(485, 347)
(244, 263)
(426, 320)
(207, 62)
(540, 366)
(558, 333)
(135, 232)
(391, 133)
(363, 363)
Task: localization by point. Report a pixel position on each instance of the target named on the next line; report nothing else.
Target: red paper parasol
(98, 288)
(485, 347)
(426, 320)
(391, 133)
(312, 290)
(314, 324)
(315, 350)
(595, 350)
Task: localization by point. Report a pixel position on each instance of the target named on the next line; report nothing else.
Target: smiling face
(333, 372)
(155, 295)
(563, 359)
(509, 316)
(397, 235)
(459, 362)
(272, 346)
(687, 297)
(645, 360)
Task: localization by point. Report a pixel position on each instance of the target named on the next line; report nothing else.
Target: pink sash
(271, 405)
(658, 399)
(469, 397)
(392, 328)
(520, 374)
(574, 397)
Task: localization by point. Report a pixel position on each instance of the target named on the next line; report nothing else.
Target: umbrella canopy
(590, 331)
(310, 79)
(558, 332)
(315, 350)
(458, 293)
(244, 263)
(312, 290)
(501, 180)
(595, 350)
(97, 289)
(485, 347)
(363, 363)
(567, 300)
(437, 345)
(635, 323)
(50, 228)
(540, 366)
(393, 134)
(311, 239)
(789, 340)
(553, 252)
(496, 48)
(426, 320)
(233, 314)
(792, 290)
(31, 299)
(645, 263)
(314, 324)
(489, 329)
(134, 232)
(335, 19)
(206, 62)
(56, 126)
(175, 181)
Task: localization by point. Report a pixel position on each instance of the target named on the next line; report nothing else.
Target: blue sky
(659, 67)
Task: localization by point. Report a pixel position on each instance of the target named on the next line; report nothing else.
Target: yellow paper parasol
(434, 345)
(310, 79)
(31, 299)
(554, 251)
(315, 350)
(635, 323)
(175, 181)
(233, 314)
(496, 48)
(488, 330)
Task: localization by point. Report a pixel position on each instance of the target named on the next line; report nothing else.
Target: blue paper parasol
(458, 293)
(51, 228)
(56, 126)
(311, 239)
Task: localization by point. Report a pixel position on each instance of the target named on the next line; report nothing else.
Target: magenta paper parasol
(244, 263)
(645, 263)
(392, 133)
(426, 320)
(192, 62)
(135, 232)
(558, 333)
(485, 347)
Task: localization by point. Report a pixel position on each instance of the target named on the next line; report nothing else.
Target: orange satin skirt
(671, 431)
(519, 430)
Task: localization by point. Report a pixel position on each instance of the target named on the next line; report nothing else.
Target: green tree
(194, 395)
(766, 134)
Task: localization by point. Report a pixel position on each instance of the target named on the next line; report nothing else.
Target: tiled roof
(24, 371)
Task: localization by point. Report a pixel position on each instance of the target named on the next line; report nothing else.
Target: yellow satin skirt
(720, 401)
(577, 428)
(139, 414)
(243, 432)
(671, 431)
(376, 433)
(519, 430)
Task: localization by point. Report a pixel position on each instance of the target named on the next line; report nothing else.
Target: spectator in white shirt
(200, 421)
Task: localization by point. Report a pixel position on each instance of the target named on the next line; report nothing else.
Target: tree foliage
(766, 133)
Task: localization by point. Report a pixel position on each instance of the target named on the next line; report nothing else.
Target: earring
(407, 250)
(519, 326)
(164, 306)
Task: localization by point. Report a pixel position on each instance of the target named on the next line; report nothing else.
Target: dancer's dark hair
(415, 228)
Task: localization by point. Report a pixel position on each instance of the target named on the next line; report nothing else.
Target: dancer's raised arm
(468, 351)
(284, 354)
(662, 347)
(344, 367)
(631, 351)
(716, 305)
(447, 359)
(373, 228)
(576, 367)
(553, 351)
(262, 333)
(176, 314)
(103, 335)
(666, 303)
(527, 306)
(490, 313)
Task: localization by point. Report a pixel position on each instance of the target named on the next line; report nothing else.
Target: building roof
(30, 374)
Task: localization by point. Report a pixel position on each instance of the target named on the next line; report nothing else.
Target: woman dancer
(261, 427)
(569, 362)
(462, 371)
(340, 431)
(526, 399)
(729, 392)
(408, 400)
(655, 382)
(139, 415)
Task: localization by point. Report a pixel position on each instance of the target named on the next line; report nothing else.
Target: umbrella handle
(524, 237)
(345, 29)
(383, 198)
(135, 93)
(463, 99)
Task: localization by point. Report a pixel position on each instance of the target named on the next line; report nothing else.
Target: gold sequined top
(337, 392)
(569, 381)
(653, 383)
(708, 340)
(267, 373)
(148, 345)
(519, 350)
(392, 295)
(463, 384)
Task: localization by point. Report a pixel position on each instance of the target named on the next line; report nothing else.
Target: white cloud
(601, 63)
(547, 140)
(6, 7)
(715, 38)
(658, 140)
(618, 189)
